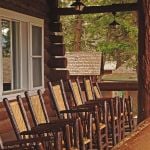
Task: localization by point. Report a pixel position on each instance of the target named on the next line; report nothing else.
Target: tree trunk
(78, 33)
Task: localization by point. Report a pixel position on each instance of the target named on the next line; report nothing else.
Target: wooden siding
(41, 9)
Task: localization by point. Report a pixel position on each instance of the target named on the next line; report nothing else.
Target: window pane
(11, 55)
(7, 69)
(36, 41)
(37, 72)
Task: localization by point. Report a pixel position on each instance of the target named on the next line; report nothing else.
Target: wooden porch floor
(139, 139)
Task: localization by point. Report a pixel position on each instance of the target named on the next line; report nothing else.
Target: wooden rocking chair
(20, 123)
(60, 102)
(41, 120)
(125, 108)
(93, 94)
(21, 126)
(100, 125)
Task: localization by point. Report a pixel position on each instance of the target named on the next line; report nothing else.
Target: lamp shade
(114, 24)
(79, 6)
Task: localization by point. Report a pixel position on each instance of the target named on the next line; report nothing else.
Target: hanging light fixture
(114, 24)
(79, 6)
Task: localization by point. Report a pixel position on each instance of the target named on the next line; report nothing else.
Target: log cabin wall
(53, 47)
(57, 62)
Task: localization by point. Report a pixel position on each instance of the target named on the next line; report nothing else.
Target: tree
(119, 44)
(6, 38)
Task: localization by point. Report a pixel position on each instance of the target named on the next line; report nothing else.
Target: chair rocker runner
(27, 144)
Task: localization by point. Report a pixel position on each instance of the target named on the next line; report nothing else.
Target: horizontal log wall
(40, 9)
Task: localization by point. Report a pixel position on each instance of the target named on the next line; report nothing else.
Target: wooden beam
(98, 9)
(119, 86)
(56, 38)
(57, 74)
(60, 62)
(55, 27)
(115, 86)
(57, 49)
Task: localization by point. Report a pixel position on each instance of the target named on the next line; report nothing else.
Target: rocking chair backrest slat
(41, 97)
(97, 91)
(75, 93)
(37, 108)
(58, 97)
(16, 116)
(23, 111)
(89, 91)
(64, 94)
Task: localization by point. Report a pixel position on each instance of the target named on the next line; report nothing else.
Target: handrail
(118, 85)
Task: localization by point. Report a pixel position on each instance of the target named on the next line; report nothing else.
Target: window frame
(30, 62)
(30, 20)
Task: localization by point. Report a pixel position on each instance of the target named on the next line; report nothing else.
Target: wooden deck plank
(139, 139)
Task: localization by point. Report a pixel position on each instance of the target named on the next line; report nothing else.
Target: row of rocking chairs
(90, 122)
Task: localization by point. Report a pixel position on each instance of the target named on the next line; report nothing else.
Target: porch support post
(144, 60)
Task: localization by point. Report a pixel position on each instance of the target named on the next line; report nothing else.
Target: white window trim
(1, 62)
(12, 15)
(30, 61)
(13, 95)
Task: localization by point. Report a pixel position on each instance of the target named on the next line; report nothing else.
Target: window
(36, 55)
(21, 52)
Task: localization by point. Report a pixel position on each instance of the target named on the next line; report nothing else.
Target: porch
(37, 27)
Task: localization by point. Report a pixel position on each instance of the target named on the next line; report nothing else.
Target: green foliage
(6, 38)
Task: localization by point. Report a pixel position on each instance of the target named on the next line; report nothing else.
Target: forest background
(92, 32)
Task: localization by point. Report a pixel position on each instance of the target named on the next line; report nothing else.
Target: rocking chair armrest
(93, 102)
(30, 132)
(104, 99)
(25, 141)
(53, 126)
(88, 106)
(47, 128)
(77, 110)
(63, 121)
(84, 109)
